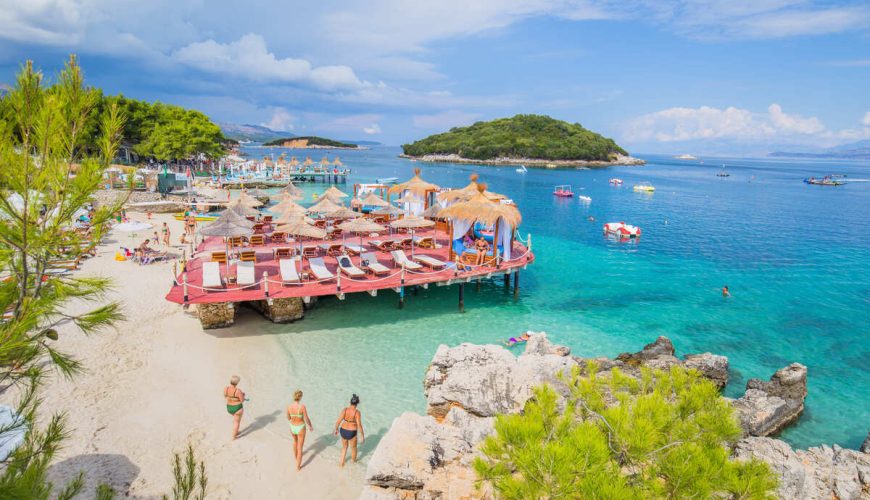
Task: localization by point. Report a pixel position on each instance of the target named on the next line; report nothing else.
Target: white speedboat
(621, 230)
(584, 199)
(522, 169)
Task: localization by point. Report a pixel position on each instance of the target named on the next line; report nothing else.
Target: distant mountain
(254, 133)
(853, 151)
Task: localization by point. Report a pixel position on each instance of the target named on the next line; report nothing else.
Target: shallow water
(795, 257)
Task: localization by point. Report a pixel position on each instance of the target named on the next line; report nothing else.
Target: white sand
(154, 385)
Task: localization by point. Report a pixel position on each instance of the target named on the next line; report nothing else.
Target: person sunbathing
(482, 248)
(517, 340)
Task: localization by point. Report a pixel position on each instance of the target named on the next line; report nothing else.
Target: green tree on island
(664, 435)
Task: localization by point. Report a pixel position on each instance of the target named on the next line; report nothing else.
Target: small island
(310, 142)
(532, 140)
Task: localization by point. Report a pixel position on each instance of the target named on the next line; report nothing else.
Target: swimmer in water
(725, 292)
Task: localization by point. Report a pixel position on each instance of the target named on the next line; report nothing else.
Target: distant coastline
(529, 162)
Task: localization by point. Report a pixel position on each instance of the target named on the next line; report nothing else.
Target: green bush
(665, 435)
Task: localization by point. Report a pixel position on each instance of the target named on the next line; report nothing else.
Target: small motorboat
(824, 181)
(621, 230)
(644, 187)
(584, 199)
(723, 173)
(616, 181)
(522, 169)
(563, 191)
(388, 180)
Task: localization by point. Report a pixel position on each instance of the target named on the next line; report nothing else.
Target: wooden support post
(402, 290)
(516, 284)
(461, 298)
(266, 283)
(478, 285)
(184, 284)
(507, 280)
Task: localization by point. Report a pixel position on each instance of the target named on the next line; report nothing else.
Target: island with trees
(533, 140)
(310, 142)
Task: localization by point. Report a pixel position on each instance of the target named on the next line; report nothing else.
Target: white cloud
(372, 129)
(249, 57)
(366, 123)
(866, 120)
(281, 120)
(793, 124)
(445, 120)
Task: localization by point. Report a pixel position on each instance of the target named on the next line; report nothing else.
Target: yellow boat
(645, 187)
(199, 217)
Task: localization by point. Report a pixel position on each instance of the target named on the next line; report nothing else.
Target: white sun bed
(354, 249)
(211, 275)
(401, 259)
(347, 267)
(245, 274)
(371, 263)
(289, 272)
(318, 268)
(430, 262)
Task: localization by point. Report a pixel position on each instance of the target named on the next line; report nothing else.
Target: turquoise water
(794, 256)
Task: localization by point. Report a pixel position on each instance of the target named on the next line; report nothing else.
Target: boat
(644, 187)
(522, 169)
(723, 173)
(584, 199)
(616, 181)
(824, 181)
(387, 180)
(621, 230)
(199, 216)
(563, 191)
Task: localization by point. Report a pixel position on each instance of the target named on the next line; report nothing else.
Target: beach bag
(120, 257)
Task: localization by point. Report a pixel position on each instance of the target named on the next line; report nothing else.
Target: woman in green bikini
(235, 397)
(297, 414)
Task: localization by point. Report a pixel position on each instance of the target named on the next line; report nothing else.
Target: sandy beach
(153, 385)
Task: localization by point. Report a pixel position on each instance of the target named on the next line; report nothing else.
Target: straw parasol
(302, 229)
(289, 191)
(433, 212)
(288, 217)
(361, 226)
(287, 204)
(373, 200)
(242, 209)
(324, 162)
(337, 162)
(482, 209)
(293, 161)
(341, 213)
(227, 228)
(467, 193)
(411, 222)
(415, 185)
(235, 217)
(249, 200)
(308, 162)
(325, 205)
(334, 194)
(388, 210)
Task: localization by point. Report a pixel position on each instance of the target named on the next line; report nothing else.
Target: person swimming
(297, 414)
(725, 291)
(235, 407)
(348, 423)
(518, 340)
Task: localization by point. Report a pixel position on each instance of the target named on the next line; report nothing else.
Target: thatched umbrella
(242, 209)
(479, 208)
(227, 228)
(411, 222)
(468, 192)
(325, 205)
(307, 162)
(415, 185)
(361, 226)
(389, 210)
(287, 204)
(232, 215)
(302, 229)
(341, 213)
(433, 212)
(373, 200)
(337, 162)
(249, 200)
(291, 190)
(293, 161)
(334, 194)
(324, 162)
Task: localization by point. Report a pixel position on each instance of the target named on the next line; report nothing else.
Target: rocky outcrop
(282, 310)
(712, 366)
(865, 446)
(529, 162)
(817, 473)
(768, 407)
(216, 314)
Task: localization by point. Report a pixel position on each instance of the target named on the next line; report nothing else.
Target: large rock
(712, 366)
(817, 473)
(216, 314)
(487, 380)
(282, 310)
(661, 347)
(865, 446)
(768, 407)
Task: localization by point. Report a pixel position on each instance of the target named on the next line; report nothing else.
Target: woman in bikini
(348, 423)
(235, 397)
(481, 246)
(297, 414)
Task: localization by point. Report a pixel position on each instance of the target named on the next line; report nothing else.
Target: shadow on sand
(115, 470)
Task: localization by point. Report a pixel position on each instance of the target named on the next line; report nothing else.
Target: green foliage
(665, 435)
(312, 141)
(190, 479)
(47, 173)
(523, 136)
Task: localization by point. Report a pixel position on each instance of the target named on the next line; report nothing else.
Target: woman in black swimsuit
(348, 423)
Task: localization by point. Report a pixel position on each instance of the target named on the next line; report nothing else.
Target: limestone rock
(661, 347)
(865, 446)
(769, 407)
(216, 314)
(817, 473)
(538, 344)
(712, 366)
(281, 310)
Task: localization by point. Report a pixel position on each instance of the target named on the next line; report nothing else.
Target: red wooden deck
(521, 256)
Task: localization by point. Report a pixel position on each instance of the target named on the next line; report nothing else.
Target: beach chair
(354, 249)
(347, 267)
(282, 252)
(401, 259)
(267, 219)
(237, 241)
(68, 264)
(430, 262)
(319, 270)
(245, 275)
(369, 262)
(403, 243)
(309, 252)
(220, 257)
(278, 237)
(320, 223)
(289, 272)
(335, 250)
(152, 257)
(258, 239)
(334, 233)
(211, 275)
(383, 246)
(248, 256)
(251, 218)
(424, 241)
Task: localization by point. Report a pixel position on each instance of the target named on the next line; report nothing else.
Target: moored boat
(563, 191)
(584, 199)
(824, 181)
(616, 181)
(621, 230)
(645, 187)
(199, 216)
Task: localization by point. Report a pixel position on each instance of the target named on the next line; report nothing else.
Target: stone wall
(282, 310)
(216, 314)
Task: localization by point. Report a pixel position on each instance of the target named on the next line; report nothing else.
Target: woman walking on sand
(347, 425)
(235, 398)
(297, 414)
(165, 230)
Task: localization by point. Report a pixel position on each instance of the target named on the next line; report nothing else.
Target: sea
(796, 258)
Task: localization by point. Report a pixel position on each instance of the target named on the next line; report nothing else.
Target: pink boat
(621, 230)
(564, 191)
(616, 181)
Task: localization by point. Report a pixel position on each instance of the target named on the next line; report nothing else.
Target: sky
(659, 76)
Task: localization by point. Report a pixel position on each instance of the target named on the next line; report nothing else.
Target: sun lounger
(401, 259)
(237, 241)
(219, 257)
(318, 268)
(267, 219)
(289, 272)
(347, 267)
(354, 249)
(383, 246)
(258, 239)
(248, 256)
(369, 262)
(424, 241)
(278, 237)
(211, 275)
(282, 252)
(309, 252)
(430, 262)
(403, 243)
(335, 250)
(69, 264)
(245, 274)
(151, 257)
(258, 227)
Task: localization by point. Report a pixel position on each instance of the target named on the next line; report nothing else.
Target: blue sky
(739, 76)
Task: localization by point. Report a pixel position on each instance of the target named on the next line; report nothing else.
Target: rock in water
(661, 347)
(769, 407)
(817, 473)
(865, 446)
(712, 366)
